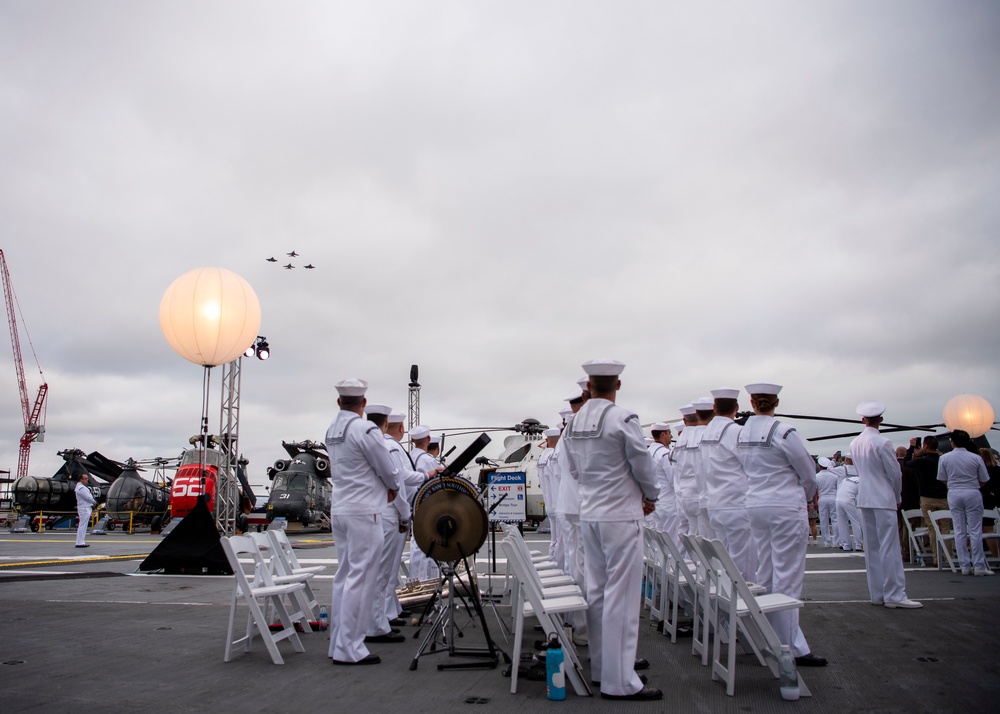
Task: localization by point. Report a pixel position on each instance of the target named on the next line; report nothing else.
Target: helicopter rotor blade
(833, 436)
(902, 427)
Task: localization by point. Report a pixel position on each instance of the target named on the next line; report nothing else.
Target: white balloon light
(970, 413)
(210, 316)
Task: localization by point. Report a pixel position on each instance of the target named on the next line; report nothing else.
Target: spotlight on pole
(259, 348)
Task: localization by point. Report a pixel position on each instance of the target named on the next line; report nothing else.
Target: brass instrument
(418, 592)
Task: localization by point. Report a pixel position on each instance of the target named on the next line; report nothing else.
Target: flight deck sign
(507, 497)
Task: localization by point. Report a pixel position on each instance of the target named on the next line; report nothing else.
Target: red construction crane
(34, 416)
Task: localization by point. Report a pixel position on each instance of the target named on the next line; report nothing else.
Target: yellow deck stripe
(73, 561)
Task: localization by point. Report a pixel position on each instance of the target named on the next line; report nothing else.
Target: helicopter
(190, 482)
(56, 495)
(301, 489)
(520, 454)
(134, 500)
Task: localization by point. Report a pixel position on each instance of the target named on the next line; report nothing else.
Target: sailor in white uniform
(545, 479)
(665, 515)
(879, 494)
(781, 478)
(705, 409)
(607, 456)
(434, 448)
(848, 518)
(574, 557)
(558, 549)
(85, 503)
(364, 480)
(827, 482)
(422, 567)
(685, 480)
(964, 471)
(726, 483)
(394, 513)
(395, 524)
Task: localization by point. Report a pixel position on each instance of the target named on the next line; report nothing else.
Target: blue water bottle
(555, 671)
(324, 619)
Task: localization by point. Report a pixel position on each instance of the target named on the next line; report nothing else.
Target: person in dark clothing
(933, 493)
(991, 496)
(910, 492)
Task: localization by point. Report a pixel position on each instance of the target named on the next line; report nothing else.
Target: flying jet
(293, 254)
(309, 267)
(289, 267)
(272, 259)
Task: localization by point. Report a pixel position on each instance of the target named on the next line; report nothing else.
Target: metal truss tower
(227, 494)
(414, 401)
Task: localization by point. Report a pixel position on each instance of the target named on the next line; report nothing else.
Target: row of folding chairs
(541, 590)
(704, 582)
(919, 536)
(269, 578)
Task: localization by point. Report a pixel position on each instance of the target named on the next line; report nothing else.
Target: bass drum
(449, 522)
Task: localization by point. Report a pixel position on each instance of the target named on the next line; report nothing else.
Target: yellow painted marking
(65, 561)
(100, 541)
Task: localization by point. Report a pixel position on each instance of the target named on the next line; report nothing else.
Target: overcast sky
(713, 193)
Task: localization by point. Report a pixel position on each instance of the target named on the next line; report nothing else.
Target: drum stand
(490, 657)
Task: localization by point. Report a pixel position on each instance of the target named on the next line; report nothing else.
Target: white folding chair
(284, 547)
(705, 588)
(654, 573)
(920, 540)
(532, 603)
(257, 589)
(943, 539)
(680, 588)
(549, 574)
(299, 607)
(286, 568)
(746, 613)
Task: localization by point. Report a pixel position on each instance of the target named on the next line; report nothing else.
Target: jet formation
(290, 266)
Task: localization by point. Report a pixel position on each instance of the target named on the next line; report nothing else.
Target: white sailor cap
(726, 393)
(824, 462)
(871, 409)
(649, 440)
(435, 440)
(661, 426)
(582, 381)
(396, 417)
(419, 432)
(603, 367)
(688, 409)
(763, 388)
(352, 387)
(574, 397)
(704, 404)
(549, 433)
(378, 409)
(565, 414)
(680, 428)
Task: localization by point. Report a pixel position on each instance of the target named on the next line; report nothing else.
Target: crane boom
(34, 420)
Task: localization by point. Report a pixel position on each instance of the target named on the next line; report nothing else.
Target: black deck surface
(80, 633)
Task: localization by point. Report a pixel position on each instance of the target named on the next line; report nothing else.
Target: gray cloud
(713, 194)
